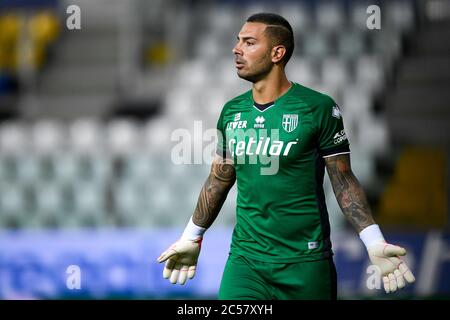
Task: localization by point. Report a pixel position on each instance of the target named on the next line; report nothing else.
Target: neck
(271, 87)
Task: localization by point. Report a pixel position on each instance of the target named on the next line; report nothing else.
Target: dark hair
(278, 29)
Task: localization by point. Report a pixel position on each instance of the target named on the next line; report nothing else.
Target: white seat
(330, 15)
(356, 108)
(66, 167)
(335, 72)
(369, 72)
(179, 103)
(86, 136)
(227, 215)
(156, 136)
(161, 198)
(14, 138)
(298, 15)
(89, 197)
(225, 72)
(374, 135)
(13, 205)
(355, 99)
(303, 71)
(192, 74)
(224, 19)
(167, 204)
(49, 197)
(208, 47)
(48, 137)
(97, 168)
(122, 136)
(126, 197)
(7, 168)
(386, 44)
(358, 14)
(316, 44)
(363, 164)
(29, 168)
(351, 44)
(12, 199)
(210, 105)
(140, 167)
(400, 15)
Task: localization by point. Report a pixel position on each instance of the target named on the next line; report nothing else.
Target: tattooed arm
(352, 200)
(348, 191)
(182, 256)
(214, 192)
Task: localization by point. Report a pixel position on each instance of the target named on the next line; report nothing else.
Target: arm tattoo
(348, 191)
(214, 192)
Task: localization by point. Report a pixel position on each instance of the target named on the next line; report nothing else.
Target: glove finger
(406, 272)
(167, 272)
(191, 272)
(391, 250)
(386, 284)
(166, 255)
(392, 282)
(175, 273)
(183, 275)
(399, 278)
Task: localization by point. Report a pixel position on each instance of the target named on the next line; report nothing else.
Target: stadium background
(87, 171)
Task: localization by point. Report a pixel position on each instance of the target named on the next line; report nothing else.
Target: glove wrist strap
(371, 235)
(192, 231)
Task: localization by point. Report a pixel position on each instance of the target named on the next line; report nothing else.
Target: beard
(258, 71)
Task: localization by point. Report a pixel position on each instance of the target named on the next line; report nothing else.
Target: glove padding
(393, 269)
(182, 257)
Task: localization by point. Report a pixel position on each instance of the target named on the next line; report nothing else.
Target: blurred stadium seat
(330, 15)
(70, 160)
(88, 153)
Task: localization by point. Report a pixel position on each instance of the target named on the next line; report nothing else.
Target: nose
(236, 49)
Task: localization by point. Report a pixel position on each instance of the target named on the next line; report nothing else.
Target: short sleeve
(221, 148)
(331, 135)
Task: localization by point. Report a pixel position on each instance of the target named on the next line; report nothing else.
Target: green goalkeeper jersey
(278, 151)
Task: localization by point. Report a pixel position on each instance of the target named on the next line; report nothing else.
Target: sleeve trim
(335, 154)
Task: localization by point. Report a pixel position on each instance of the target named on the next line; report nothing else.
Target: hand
(181, 259)
(393, 269)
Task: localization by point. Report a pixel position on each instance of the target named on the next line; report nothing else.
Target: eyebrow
(246, 38)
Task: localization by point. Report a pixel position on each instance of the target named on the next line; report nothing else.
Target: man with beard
(281, 245)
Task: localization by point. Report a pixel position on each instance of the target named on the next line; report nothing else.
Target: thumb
(166, 255)
(391, 250)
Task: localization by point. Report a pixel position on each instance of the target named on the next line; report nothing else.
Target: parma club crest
(289, 122)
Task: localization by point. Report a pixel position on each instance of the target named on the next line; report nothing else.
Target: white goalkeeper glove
(182, 256)
(386, 257)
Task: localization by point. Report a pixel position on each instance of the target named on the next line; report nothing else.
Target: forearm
(213, 193)
(354, 205)
(349, 193)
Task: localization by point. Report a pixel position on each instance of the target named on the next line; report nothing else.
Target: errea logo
(260, 119)
(259, 122)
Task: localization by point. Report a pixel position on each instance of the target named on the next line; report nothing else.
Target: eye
(248, 43)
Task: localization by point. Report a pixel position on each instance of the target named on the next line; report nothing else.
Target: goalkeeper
(281, 246)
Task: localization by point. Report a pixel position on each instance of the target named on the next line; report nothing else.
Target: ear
(278, 53)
